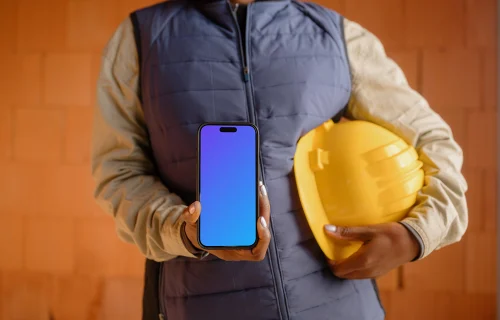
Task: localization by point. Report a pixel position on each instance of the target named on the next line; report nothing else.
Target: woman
(287, 67)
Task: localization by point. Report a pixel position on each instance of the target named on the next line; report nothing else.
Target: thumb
(192, 213)
(350, 233)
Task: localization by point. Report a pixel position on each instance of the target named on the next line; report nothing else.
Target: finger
(363, 234)
(259, 251)
(192, 213)
(360, 260)
(264, 205)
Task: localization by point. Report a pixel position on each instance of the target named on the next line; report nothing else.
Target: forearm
(145, 212)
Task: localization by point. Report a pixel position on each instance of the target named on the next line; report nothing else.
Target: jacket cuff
(195, 252)
(172, 238)
(417, 236)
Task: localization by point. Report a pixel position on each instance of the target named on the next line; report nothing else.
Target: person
(286, 66)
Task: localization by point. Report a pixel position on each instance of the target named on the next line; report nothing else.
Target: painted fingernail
(191, 209)
(331, 228)
(263, 222)
(262, 188)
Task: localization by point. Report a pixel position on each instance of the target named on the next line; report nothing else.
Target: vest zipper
(161, 316)
(246, 75)
(273, 252)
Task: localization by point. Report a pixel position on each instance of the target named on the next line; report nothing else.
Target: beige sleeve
(381, 95)
(127, 187)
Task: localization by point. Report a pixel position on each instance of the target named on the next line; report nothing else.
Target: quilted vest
(287, 74)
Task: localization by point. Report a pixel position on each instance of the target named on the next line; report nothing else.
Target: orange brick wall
(59, 256)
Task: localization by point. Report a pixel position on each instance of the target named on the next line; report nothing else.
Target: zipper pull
(161, 316)
(246, 74)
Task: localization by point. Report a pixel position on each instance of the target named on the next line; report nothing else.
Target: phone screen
(228, 157)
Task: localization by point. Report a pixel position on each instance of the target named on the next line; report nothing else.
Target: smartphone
(228, 157)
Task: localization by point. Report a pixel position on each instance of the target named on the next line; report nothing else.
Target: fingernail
(263, 190)
(331, 228)
(263, 222)
(191, 209)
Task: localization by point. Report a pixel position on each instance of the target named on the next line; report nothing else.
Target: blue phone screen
(227, 186)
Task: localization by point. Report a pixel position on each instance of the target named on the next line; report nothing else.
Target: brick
(490, 79)
(20, 83)
(99, 251)
(385, 299)
(482, 137)
(8, 21)
(480, 266)
(11, 243)
(49, 245)
(5, 134)
(41, 25)
(91, 23)
(441, 271)
(451, 79)
(78, 136)
(385, 20)
(79, 179)
(77, 298)
(337, 5)
(68, 79)
(122, 299)
(26, 296)
(408, 61)
(412, 305)
(95, 72)
(474, 196)
(490, 201)
(125, 7)
(481, 17)
(433, 24)
(38, 135)
(52, 190)
(457, 120)
(474, 306)
(388, 282)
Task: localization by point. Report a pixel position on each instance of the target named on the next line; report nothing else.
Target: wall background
(59, 256)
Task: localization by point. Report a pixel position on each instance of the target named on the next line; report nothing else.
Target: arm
(381, 95)
(145, 212)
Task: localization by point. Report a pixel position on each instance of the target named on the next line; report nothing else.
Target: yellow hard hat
(354, 173)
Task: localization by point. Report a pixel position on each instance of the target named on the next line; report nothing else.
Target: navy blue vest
(287, 73)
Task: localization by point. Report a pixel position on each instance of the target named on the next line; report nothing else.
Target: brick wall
(60, 258)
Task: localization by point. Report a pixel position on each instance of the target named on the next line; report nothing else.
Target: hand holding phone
(257, 253)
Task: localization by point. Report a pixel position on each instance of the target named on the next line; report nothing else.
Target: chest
(245, 65)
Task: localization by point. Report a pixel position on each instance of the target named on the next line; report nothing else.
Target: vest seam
(217, 293)
(138, 41)
(194, 61)
(326, 302)
(346, 53)
(308, 274)
(268, 57)
(191, 90)
(154, 39)
(258, 88)
(293, 115)
(305, 83)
